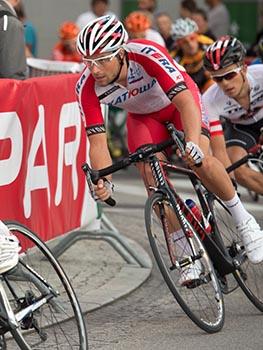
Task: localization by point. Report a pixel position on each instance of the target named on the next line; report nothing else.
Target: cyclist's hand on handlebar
(103, 189)
(193, 154)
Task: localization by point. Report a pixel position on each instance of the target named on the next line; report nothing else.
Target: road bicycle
(217, 253)
(36, 298)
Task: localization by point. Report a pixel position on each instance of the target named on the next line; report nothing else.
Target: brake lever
(90, 181)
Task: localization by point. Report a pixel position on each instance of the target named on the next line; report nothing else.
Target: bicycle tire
(249, 276)
(255, 164)
(196, 309)
(51, 317)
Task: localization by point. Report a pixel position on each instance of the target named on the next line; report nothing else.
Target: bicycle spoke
(39, 277)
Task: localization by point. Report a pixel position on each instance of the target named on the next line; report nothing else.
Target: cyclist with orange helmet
(138, 25)
(65, 49)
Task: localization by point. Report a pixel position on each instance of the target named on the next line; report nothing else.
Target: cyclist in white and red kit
(141, 77)
(237, 97)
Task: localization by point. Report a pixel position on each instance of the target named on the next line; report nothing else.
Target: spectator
(147, 5)
(200, 18)
(30, 31)
(98, 8)
(252, 51)
(186, 8)
(259, 51)
(12, 43)
(190, 50)
(164, 26)
(138, 25)
(65, 49)
(218, 18)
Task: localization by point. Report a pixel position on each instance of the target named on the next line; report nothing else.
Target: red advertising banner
(42, 148)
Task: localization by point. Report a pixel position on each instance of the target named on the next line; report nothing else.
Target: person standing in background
(65, 49)
(29, 30)
(149, 8)
(218, 18)
(98, 8)
(12, 43)
(138, 25)
(164, 26)
(186, 8)
(147, 5)
(200, 18)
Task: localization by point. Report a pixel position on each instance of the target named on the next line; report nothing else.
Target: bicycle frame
(223, 263)
(9, 319)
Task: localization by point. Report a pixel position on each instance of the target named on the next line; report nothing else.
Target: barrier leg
(108, 233)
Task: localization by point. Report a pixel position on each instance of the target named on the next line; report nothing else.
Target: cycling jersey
(218, 105)
(154, 78)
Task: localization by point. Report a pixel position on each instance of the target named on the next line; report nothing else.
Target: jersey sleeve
(89, 104)
(159, 64)
(210, 113)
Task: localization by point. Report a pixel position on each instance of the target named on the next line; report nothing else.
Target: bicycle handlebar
(257, 149)
(140, 155)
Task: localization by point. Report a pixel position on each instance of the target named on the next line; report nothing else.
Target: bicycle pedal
(182, 263)
(198, 282)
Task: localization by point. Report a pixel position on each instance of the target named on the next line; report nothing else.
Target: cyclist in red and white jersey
(237, 97)
(141, 77)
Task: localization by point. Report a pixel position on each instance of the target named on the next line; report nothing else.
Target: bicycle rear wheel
(202, 301)
(249, 276)
(39, 276)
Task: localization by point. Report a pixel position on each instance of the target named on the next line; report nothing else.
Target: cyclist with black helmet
(140, 77)
(237, 97)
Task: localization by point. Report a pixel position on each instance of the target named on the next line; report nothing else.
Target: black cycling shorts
(245, 136)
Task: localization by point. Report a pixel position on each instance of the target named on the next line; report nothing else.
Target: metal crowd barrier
(39, 67)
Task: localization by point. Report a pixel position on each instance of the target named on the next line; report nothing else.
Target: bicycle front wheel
(202, 301)
(39, 282)
(249, 276)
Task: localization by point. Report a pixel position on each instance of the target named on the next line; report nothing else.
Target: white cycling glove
(195, 152)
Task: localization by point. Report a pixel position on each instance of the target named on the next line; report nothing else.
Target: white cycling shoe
(190, 273)
(252, 237)
(9, 252)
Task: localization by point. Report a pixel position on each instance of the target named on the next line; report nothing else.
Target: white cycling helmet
(104, 34)
(183, 27)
